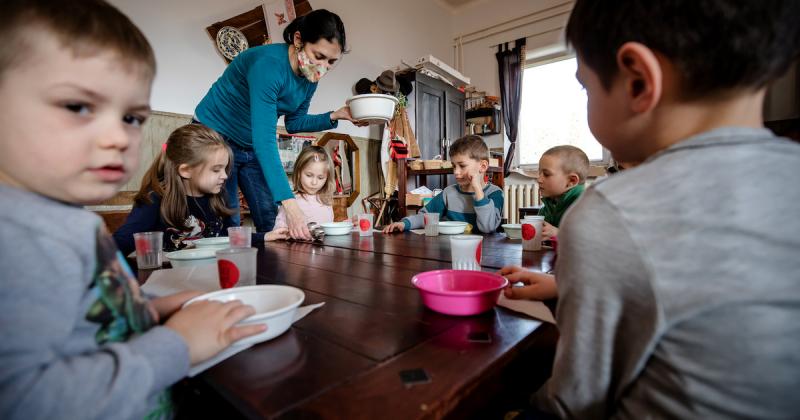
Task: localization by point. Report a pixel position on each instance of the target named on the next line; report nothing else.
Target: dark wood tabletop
(344, 359)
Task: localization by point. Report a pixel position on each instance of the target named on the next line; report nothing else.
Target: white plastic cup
(465, 251)
(148, 249)
(240, 236)
(365, 224)
(431, 224)
(237, 267)
(532, 233)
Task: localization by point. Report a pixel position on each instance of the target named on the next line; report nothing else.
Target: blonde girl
(313, 182)
(182, 192)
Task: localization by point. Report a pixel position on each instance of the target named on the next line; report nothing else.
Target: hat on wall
(363, 86)
(387, 82)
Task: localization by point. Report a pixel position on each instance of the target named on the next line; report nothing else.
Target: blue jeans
(247, 175)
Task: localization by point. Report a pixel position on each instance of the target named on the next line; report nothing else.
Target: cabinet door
(454, 115)
(430, 119)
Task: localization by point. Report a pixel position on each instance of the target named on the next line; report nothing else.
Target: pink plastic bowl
(459, 292)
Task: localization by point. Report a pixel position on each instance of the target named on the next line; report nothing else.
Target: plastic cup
(532, 233)
(240, 236)
(431, 224)
(148, 249)
(365, 224)
(465, 252)
(237, 267)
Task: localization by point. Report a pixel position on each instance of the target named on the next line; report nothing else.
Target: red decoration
(528, 232)
(228, 274)
(364, 224)
(478, 253)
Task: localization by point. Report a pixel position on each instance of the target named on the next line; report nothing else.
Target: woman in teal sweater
(262, 84)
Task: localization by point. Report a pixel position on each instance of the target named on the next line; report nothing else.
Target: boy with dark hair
(691, 311)
(78, 339)
(470, 199)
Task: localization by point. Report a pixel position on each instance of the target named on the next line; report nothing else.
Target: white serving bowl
(337, 228)
(190, 257)
(513, 230)
(452, 228)
(275, 306)
(372, 107)
(213, 242)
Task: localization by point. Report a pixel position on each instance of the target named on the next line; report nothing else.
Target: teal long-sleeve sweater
(244, 104)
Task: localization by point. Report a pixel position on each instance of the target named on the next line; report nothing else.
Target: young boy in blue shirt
(78, 339)
(678, 282)
(470, 199)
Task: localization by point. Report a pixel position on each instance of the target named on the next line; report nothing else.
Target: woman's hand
(296, 220)
(537, 286)
(343, 113)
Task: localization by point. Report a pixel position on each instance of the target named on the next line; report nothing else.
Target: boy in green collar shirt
(562, 175)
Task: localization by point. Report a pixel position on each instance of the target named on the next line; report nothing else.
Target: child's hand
(396, 226)
(476, 183)
(167, 305)
(549, 231)
(277, 234)
(208, 327)
(538, 286)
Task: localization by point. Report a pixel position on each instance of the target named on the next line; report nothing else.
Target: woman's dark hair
(315, 25)
(716, 45)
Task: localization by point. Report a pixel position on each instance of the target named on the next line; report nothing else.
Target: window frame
(542, 61)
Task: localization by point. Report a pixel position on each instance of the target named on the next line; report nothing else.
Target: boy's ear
(641, 73)
(484, 166)
(184, 171)
(573, 179)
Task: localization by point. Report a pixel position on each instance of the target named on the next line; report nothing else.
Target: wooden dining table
(346, 359)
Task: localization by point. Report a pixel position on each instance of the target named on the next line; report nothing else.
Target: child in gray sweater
(77, 338)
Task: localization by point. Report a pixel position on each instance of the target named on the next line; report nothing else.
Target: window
(554, 113)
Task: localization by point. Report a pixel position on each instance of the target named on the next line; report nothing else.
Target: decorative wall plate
(230, 42)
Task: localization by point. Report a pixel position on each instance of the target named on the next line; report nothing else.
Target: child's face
(208, 178)
(313, 177)
(605, 112)
(464, 167)
(552, 179)
(70, 126)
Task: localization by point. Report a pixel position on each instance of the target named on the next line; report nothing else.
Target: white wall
(379, 34)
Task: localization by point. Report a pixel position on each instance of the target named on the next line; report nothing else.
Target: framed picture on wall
(278, 13)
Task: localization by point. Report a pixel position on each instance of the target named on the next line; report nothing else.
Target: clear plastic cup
(237, 267)
(465, 252)
(240, 236)
(148, 249)
(365, 224)
(431, 224)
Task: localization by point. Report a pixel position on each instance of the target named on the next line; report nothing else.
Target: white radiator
(516, 196)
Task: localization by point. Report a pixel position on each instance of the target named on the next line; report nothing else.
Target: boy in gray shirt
(679, 280)
(470, 199)
(77, 338)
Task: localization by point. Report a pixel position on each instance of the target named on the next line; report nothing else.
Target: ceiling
(456, 5)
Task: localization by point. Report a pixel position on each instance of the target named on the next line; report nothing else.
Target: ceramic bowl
(459, 292)
(214, 242)
(372, 107)
(513, 230)
(275, 306)
(190, 257)
(452, 228)
(337, 228)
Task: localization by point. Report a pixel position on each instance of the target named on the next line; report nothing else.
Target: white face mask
(312, 72)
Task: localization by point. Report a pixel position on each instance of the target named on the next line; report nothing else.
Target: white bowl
(513, 230)
(372, 107)
(452, 228)
(337, 228)
(213, 242)
(275, 306)
(190, 257)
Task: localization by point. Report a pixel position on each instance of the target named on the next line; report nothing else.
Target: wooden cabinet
(436, 110)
